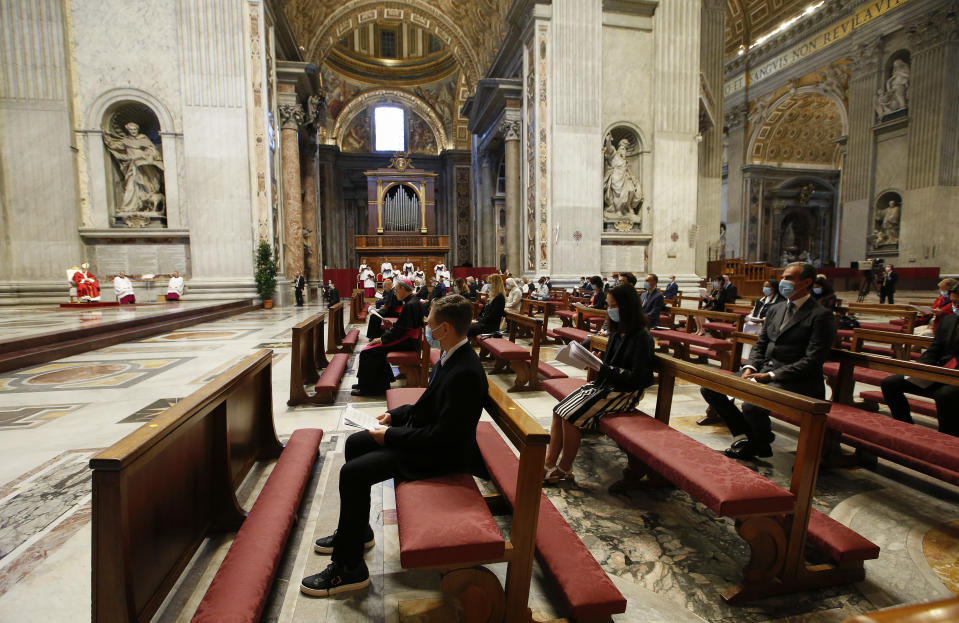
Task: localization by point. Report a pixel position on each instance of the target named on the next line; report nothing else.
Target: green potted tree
(265, 274)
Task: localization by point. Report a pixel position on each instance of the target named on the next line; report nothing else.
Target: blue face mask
(715, 284)
(614, 314)
(787, 288)
(817, 290)
(767, 291)
(646, 285)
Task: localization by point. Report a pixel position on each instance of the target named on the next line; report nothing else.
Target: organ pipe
(402, 210)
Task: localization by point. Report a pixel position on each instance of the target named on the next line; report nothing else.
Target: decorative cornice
(933, 29)
(866, 57)
(291, 116)
(736, 116)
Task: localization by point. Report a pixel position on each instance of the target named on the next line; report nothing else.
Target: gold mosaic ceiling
(747, 20)
(802, 129)
(471, 29)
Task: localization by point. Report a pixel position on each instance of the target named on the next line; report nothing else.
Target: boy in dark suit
(795, 340)
(434, 436)
(943, 351)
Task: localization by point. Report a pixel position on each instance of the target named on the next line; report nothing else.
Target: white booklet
(573, 354)
(355, 417)
(923, 383)
(375, 312)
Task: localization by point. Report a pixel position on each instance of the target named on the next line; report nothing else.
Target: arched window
(389, 128)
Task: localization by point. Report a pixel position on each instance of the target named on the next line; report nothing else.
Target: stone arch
(365, 100)
(808, 117)
(415, 12)
(111, 97)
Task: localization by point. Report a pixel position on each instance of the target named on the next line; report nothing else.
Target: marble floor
(665, 552)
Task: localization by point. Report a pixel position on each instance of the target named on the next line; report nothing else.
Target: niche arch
(366, 101)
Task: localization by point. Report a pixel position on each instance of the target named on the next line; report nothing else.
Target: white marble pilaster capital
(865, 58)
(735, 117)
(511, 129)
(291, 116)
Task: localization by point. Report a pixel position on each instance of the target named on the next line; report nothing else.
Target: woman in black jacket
(824, 294)
(626, 371)
(598, 298)
(494, 310)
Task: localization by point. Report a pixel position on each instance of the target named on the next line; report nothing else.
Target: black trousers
(883, 295)
(374, 374)
(299, 296)
(367, 463)
(895, 388)
(752, 421)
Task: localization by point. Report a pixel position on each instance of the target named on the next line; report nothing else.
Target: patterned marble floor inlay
(12, 418)
(941, 547)
(61, 376)
(194, 335)
(150, 411)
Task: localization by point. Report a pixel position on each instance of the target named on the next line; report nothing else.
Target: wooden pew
(525, 363)
(159, 491)
(414, 365)
(358, 307)
(338, 340)
(685, 343)
(536, 526)
(309, 366)
(905, 313)
(776, 523)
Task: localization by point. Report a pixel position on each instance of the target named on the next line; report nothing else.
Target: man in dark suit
(434, 436)
(672, 288)
(795, 341)
(652, 299)
(943, 351)
(299, 284)
(887, 285)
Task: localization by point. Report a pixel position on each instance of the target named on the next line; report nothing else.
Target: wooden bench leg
(498, 366)
(478, 592)
(832, 454)
(767, 544)
(525, 376)
(636, 476)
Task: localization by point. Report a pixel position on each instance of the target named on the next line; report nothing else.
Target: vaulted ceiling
(472, 30)
(746, 20)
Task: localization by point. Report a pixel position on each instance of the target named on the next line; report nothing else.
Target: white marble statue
(142, 167)
(895, 96)
(887, 224)
(622, 196)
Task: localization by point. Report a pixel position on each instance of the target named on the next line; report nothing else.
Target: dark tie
(790, 310)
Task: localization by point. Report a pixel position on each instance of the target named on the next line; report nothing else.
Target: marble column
(511, 129)
(711, 147)
(485, 215)
(735, 121)
(311, 222)
(857, 170)
(676, 233)
(928, 220)
(291, 117)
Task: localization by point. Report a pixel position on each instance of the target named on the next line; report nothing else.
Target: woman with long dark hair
(627, 370)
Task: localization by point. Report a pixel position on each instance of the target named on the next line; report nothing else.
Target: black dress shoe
(356, 392)
(710, 418)
(336, 578)
(748, 451)
(355, 386)
(325, 544)
(739, 443)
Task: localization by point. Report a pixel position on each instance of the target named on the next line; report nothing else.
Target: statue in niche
(894, 97)
(141, 165)
(886, 225)
(622, 196)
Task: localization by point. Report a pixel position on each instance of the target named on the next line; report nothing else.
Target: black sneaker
(325, 545)
(336, 578)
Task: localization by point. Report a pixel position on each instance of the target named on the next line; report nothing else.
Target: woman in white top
(514, 296)
(123, 289)
(175, 288)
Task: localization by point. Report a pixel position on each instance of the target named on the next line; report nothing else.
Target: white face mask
(944, 293)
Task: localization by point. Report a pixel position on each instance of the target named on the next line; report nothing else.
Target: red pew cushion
(351, 337)
(333, 373)
(881, 326)
(837, 541)
(549, 372)
(909, 439)
(501, 348)
(725, 486)
(404, 358)
(861, 375)
(571, 333)
(445, 520)
(561, 388)
(402, 396)
(925, 407)
(587, 590)
(242, 584)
